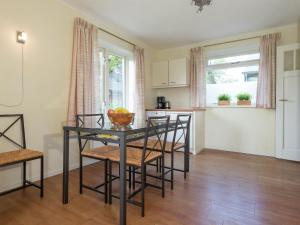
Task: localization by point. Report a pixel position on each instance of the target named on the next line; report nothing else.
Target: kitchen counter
(178, 110)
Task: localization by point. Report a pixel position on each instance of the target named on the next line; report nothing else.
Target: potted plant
(244, 99)
(224, 99)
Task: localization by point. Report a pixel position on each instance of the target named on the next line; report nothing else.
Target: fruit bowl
(121, 119)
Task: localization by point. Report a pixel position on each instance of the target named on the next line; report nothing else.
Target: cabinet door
(178, 72)
(160, 74)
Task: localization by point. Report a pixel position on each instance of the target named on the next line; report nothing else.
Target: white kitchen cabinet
(155, 113)
(160, 74)
(178, 72)
(172, 73)
(196, 130)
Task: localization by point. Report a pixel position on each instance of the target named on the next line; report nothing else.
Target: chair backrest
(82, 120)
(183, 123)
(157, 127)
(88, 119)
(16, 118)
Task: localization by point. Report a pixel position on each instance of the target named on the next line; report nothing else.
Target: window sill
(230, 106)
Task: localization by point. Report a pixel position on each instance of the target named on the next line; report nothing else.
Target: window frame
(224, 54)
(105, 89)
(233, 64)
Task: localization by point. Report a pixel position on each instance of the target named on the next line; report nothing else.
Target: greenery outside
(115, 63)
(116, 78)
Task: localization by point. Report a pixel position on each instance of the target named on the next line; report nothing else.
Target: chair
(179, 141)
(139, 158)
(98, 153)
(22, 155)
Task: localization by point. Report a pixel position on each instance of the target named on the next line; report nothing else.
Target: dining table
(106, 132)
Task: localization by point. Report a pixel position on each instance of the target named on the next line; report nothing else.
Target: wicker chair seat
(16, 156)
(153, 144)
(134, 156)
(100, 152)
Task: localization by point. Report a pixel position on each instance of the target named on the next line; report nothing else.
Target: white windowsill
(233, 105)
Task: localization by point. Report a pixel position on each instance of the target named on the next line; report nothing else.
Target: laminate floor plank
(222, 188)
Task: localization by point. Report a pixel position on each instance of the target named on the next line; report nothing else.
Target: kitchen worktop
(178, 109)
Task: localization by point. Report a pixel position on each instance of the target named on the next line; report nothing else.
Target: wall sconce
(21, 37)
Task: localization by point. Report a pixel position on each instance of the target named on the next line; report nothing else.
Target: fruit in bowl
(120, 116)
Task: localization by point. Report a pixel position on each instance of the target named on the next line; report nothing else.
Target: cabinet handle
(172, 82)
(164, 83)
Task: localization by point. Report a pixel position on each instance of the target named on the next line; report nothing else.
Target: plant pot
(224, 103)
(244, 102)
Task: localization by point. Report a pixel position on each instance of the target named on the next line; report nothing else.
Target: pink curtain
(266, 86)
(139, 89)
(198, 84)
(84, 73)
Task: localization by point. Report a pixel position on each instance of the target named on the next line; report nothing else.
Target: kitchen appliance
(161, 103)
(167, 105)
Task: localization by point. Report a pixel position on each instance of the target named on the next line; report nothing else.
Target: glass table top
(108, 126)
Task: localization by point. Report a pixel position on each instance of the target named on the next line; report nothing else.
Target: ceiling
(172, 23)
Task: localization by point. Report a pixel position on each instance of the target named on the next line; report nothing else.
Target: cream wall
(299, 30)
(47, 62)
(233, 129)
(241, 130)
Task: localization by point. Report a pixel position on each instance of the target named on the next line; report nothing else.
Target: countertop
(179, 110)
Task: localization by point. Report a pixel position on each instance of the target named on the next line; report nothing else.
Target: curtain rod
(227, 42)
(205, 46)
(116, 36)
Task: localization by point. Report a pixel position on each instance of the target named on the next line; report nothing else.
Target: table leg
(66, 167)
(187, 156)
(123, 180)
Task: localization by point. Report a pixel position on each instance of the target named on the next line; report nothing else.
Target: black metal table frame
(123, 138)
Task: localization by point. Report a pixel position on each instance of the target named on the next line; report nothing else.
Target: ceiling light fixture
(201, 3)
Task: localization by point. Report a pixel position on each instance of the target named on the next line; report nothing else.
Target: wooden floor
(222, 188)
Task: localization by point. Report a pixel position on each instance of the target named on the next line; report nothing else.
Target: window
(114, 78)
(116, 81)
(231, 74)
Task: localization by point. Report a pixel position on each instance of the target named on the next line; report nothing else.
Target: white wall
(47, 63)
(234, 129)
(241, 130)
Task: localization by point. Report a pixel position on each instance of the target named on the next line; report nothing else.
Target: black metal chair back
(157, 127)
(90, 119)
(16, 118)
(86, 119)
(183, 123)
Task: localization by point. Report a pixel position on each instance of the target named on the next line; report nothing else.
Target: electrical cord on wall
(22, 83)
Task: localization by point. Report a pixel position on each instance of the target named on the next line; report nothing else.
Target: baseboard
(47, 175)
(248, 153)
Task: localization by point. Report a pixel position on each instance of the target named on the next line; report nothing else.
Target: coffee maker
(161, 103)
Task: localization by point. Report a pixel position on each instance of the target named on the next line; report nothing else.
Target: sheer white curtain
(139, 85)
(84, 87)
(198, 83)
(266, 86)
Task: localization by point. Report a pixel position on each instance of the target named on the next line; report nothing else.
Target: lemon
(121, 110)
(108, 136)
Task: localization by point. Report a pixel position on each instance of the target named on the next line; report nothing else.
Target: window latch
(283, 100)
